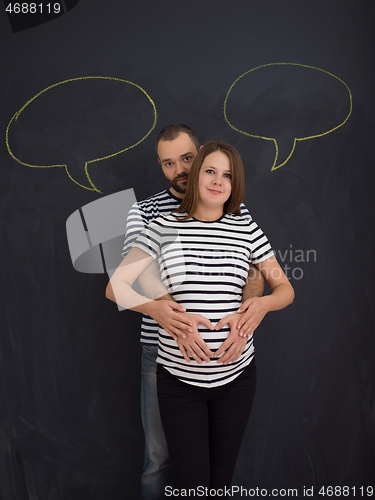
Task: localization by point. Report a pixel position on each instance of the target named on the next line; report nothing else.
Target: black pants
(204, 427)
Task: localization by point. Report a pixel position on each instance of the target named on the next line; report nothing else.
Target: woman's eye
(228, 175)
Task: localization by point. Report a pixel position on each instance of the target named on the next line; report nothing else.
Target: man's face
(176, 158)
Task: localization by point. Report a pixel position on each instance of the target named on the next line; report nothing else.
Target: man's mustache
(181, 176)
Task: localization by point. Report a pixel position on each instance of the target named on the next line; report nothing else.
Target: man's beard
(180, 188)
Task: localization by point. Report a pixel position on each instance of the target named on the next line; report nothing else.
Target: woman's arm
(282, 294)
(119, 288)
(167, 313)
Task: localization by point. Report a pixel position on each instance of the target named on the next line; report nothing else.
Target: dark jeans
(156, 469)
(204, 427)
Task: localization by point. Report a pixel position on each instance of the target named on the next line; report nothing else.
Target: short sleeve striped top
(139, 216)
(204, 266)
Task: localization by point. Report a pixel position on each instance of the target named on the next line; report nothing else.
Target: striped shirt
(204, 266)
(139, 217)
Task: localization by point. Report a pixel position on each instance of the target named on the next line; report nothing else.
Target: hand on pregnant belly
(193, 345)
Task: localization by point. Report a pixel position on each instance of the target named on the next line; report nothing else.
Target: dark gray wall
(69, 401)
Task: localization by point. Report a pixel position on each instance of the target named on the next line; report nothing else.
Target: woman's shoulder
(243, 219)
(160, 219)
(166, 221)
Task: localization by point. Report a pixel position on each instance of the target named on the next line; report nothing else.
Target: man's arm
(254, 288)
(168, 312)
(165, 311)
(254, 285)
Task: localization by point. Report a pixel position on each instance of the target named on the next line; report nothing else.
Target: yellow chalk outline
(93, 188)
(274, 167)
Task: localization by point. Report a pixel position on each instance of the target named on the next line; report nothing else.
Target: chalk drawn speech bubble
(78, 122)
(286, 103)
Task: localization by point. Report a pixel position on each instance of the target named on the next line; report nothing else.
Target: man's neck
(176, 194)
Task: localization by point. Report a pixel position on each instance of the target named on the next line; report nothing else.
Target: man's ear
(159, 161)
(200, 146)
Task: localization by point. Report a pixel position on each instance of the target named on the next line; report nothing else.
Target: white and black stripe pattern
(139, 216)
(204, 266)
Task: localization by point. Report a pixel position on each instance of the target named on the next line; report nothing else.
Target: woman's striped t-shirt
(139, 217)
(204, 266)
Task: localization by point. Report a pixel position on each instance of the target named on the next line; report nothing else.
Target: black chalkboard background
(70, 361)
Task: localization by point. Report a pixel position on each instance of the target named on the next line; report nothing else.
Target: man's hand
(169, 315)
(182, 327)
(193, 345)
(234, 345)
(251, 319)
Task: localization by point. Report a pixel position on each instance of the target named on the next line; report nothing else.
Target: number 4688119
(33, 8)
(345, 491)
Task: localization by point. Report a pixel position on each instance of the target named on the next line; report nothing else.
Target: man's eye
(187, 158)
(169, 164)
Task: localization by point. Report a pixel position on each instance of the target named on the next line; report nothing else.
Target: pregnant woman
(203, 252)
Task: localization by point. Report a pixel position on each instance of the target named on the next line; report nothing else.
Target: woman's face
(215, 184)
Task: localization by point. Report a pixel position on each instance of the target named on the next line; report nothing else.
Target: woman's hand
(234, 345)
(192, 344)
(282, 294)
(255, 309)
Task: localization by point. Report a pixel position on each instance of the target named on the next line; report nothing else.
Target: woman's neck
(208, 214)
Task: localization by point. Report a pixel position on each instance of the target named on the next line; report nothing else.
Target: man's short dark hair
(171, 132)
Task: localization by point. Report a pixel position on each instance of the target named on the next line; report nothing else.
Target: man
(176, 147)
